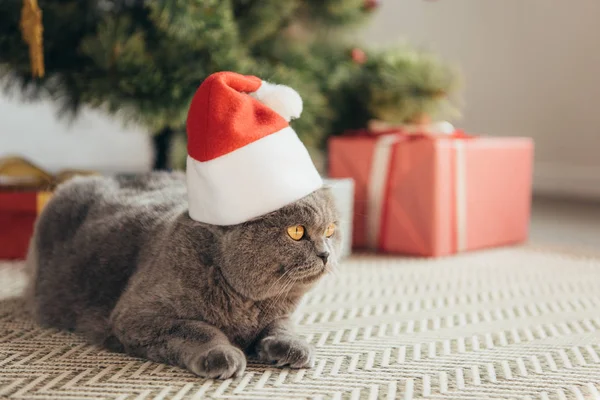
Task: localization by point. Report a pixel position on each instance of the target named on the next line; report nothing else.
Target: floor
(506, 323)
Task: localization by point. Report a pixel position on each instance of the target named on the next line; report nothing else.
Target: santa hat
(244, 160)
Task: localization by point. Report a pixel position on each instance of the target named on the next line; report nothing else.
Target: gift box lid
(25, 187)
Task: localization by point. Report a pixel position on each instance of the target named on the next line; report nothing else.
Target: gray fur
(120, 262)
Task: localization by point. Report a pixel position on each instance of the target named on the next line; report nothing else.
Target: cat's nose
(324, 256)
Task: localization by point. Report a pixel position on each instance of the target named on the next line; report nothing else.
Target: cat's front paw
(286, 350)
(220, 362)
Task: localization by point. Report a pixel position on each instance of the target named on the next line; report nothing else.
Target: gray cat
(120, 261)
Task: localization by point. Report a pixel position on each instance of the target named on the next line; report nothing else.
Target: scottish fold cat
(119, 261)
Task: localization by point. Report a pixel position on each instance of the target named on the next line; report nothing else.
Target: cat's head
(289, 249)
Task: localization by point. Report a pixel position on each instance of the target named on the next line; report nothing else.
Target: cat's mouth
(308, 273)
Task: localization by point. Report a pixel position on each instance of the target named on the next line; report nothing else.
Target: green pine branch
(144, 60)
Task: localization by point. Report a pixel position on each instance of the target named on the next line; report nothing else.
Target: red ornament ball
(371, 5)
(358, 56)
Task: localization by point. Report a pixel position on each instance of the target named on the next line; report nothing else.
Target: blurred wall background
(531, 68)
(92, 141)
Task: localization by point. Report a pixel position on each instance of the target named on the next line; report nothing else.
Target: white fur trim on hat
(282, 99)
(251, 181)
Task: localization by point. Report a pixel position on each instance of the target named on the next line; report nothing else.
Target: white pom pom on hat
(284, 100)
(244, 160)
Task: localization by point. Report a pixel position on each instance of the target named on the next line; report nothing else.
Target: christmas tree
(145, 59)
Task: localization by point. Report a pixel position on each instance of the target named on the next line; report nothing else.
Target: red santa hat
(244, 160)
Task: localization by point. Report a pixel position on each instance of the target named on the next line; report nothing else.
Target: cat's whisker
(270, 300)
(332, 270)
(335, 272)
(277, 281)
(285, 289)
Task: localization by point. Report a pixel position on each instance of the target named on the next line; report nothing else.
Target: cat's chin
(308, 274)
(310, 280)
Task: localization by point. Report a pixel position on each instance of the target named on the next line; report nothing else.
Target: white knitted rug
(513, 323)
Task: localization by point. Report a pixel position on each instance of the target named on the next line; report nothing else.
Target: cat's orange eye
(296, 232)
(330, 230)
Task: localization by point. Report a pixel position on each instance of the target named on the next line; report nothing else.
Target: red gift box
(18, 212)
(435, 195)
(25, 189)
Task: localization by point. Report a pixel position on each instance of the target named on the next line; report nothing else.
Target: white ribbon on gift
(376, 190)
(460, 182)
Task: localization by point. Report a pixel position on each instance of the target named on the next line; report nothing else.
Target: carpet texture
(513, 323)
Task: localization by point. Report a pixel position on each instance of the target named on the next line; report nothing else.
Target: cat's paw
(286, 351)
(220, 362)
